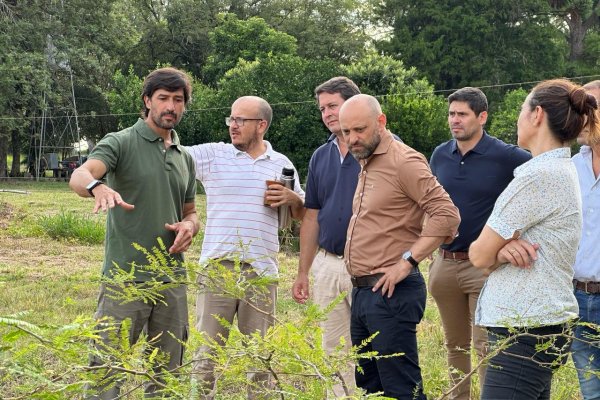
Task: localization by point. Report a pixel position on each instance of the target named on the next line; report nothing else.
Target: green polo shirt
(158, 181)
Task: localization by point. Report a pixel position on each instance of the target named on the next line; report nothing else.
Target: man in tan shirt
(385, 241)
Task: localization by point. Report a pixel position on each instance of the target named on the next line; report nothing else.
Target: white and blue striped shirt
(238, 225)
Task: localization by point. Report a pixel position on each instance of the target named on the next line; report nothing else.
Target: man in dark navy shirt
(332, 178)
(474, 168)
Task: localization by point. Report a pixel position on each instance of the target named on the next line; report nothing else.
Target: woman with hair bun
(529, 244)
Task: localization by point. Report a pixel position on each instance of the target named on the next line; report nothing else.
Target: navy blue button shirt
(330, 188)
(474, 181)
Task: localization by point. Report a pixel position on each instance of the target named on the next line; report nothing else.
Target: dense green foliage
(504, 125)
(88, 58)
(413, 112)
(475, 43)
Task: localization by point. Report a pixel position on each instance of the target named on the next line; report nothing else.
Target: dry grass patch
(57, 281)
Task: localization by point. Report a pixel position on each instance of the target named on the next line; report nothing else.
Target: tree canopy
(86, 59)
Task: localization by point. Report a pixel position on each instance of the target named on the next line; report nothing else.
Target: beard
(367, 148)
(158, 120)
(248, 144)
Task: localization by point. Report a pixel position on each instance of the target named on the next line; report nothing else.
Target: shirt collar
(336, 142)
(334, 139)
(586, 151)
(384, 144)
(480, 148)
(142, 128)
(267, 154)
(556, 154)
(382, 147)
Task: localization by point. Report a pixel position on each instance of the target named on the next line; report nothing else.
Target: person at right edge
(586, 346)
(386, 240)
(474, 168)
(529, 244)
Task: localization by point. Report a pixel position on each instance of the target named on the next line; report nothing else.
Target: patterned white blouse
(543, 205)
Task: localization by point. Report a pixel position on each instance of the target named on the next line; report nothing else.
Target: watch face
(92, 184)
(408, 257)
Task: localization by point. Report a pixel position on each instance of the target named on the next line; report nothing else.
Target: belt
(328, 253)
(588, 287)
(454, 255)
(365, 281)
(371, 280)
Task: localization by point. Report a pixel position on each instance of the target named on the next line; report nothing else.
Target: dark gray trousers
(165, 323)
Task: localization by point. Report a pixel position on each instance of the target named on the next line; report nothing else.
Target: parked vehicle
(60, 169)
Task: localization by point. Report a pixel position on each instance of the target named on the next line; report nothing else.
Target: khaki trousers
(330, 280)
(167, 327)
(210, 304)
(455, 286)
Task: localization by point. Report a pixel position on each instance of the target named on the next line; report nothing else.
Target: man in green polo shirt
(149, 195)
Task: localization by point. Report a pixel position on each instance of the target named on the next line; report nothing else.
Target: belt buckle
(583, 285)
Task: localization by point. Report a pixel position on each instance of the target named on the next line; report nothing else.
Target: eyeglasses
(239, 121)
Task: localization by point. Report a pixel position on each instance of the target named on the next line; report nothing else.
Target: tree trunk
(576, 36)
(3, 153)
(15, 169)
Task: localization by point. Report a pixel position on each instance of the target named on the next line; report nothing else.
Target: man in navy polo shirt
(474, 168)
(332, 178)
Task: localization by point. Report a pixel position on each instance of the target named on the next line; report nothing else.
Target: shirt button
(164, 150)
(462, 163)
(160, 139)
(361, 193)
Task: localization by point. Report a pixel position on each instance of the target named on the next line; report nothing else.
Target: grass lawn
(57, 280)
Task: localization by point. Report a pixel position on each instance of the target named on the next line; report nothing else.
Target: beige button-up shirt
(395, 190)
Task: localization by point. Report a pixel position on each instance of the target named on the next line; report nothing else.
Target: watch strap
(412, 261)
(92, 185)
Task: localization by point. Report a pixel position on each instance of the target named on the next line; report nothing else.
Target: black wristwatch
(408, 257)
(92, 185)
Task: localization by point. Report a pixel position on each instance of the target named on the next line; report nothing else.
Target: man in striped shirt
(239, 227)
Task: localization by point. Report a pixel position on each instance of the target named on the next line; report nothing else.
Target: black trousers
(395, 321)
(523, 371)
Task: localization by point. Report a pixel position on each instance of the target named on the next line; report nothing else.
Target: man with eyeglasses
(240, 228)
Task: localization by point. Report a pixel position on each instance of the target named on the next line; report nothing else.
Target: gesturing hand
(107, 198)
(185, 234)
